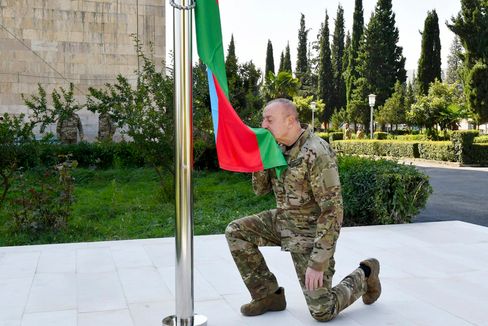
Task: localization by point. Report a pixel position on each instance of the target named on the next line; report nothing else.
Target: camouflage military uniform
(306, 222)
(68, 129)
(347, 133)
(106, 128)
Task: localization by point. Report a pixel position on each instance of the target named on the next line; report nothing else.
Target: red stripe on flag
(237, 144)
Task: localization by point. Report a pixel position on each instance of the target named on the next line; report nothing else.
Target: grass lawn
(128, 204)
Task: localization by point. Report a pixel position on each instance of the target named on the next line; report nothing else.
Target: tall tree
(337, 54)
(380, 59)
(325, 75)
(287, 60)
(232, 69)
(250, 76)
(455, 62)
(282, 62)
(357, 33)
(429, 68)
(471, 25)
(345, 57)
(302, 58)
(269, 59)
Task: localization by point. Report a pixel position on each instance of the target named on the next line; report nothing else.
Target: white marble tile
(57, 261)
(143, 284)
(100, 292)
(222, 276)
(51, 292)
(51, 318)
(94, 260)
(130, 255)
(202, 289)
(13, 297)
(427, 280)
(10, 323)
(19, 264)
(161, 255)
(151, 313)
(106, 318)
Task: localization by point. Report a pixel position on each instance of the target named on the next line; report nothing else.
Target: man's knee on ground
(322, 316)
(231, 231)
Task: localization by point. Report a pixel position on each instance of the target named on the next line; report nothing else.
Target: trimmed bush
(437, 150)
(380, 135)
(478, 154)
(336, 136)
(323, 135)
(377, 148)
(481, 140)
(411, 137)
(381, 192)
(462, 141)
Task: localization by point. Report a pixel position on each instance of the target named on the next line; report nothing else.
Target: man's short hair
(289, 106)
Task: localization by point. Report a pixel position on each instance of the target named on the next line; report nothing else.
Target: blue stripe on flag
(214, 102)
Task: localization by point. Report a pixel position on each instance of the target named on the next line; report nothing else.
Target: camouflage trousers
(245, 235)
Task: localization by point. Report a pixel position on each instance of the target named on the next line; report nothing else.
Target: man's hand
(313, 279)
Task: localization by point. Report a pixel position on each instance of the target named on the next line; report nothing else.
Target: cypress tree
(429, 68)
(232, 69)
(454, 62)
(287, 60)
(269, 60)
(337, 54)
(325, 75)
(471, 25)
(282, 61)
(357, 33)
(381, 62)
(302, 60)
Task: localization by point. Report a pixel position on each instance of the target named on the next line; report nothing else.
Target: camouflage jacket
(308, 199)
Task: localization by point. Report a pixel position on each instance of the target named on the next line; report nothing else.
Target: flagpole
(182, 44)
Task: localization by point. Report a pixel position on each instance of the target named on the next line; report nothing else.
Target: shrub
(377, 148)
(46, 203)
(411, 137)
(478, 154)
(380, 135)
(324, 135)
(381, 192)
(437, 150)
(481, 140)
(336, 136)
(462, 141)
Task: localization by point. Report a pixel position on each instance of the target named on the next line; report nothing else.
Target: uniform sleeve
(324, 179)
(261, 182)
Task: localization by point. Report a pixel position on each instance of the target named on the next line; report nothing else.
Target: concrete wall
(87, 42)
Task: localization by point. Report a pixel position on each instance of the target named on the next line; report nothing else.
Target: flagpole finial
(180, 7)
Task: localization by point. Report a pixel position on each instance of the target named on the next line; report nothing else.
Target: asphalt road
(459, 194)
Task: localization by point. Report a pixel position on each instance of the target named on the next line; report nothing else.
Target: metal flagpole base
(198, 320)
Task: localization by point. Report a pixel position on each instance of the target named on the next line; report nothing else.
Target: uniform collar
(292, 153)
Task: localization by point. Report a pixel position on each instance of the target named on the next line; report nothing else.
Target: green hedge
(437, 151)
(377, 148)
(335, 136)
(481, 140)
(381, 192)
(101, 155)
(478, 154)
(380, 135)
(324, 135)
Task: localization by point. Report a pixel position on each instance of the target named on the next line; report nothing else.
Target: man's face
(276, 121)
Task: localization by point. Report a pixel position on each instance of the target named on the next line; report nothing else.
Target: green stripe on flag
(209, 39)
(270, 151)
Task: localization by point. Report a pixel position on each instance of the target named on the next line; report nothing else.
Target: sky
(253, 22)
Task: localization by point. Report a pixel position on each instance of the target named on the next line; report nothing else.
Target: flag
(239, 148)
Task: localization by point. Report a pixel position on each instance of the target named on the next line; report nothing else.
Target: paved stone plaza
(432, 274)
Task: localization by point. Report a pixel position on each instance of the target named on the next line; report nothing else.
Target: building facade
(86, 42)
